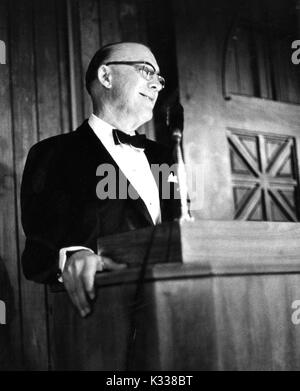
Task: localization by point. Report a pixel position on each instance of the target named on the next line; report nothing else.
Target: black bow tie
(137, 141)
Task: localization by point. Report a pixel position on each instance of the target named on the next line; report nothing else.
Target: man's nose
(155, 84)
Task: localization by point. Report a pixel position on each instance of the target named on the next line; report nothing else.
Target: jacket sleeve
(45, 212)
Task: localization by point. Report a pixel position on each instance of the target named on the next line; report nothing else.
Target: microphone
(175, 119)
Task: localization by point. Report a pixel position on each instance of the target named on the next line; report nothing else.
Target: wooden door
(241, 95)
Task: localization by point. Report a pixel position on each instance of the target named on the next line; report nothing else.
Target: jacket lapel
(157, 154)
(102, 156)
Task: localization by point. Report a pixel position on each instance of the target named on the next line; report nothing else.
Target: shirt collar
(103, 130)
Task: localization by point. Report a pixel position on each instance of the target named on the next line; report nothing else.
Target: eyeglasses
(146, 70)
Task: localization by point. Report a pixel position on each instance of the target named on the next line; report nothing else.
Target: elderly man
(63, 213)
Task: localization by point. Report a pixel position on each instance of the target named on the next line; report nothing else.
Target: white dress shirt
(135, 166)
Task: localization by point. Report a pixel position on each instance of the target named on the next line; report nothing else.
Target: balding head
(120, 51)
(123, 81)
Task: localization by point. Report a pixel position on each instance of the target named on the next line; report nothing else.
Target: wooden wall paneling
(63, 74)
(10, 357)
(131, 23)
(261, 50)
(263, 68)
(297, 14)
(246, 82)
(47, 69)
(181, 303)
(261, 115)
(276, 79)
(292, 82)
(264, 165)
(280, 72)
(253, 320)
(201, 320)
(225, 303)
(231, 69)
(282, 24)
(262, 65)
(90, 42)
(10, 293)
(123, 20)
(207, 113)
(270, 118)
(200, 34)
(297, 169)
(49, 65)
(25, 135)
(110, 29)
(75, 66)
(264, 81)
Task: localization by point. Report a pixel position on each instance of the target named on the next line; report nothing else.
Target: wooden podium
(205, 295)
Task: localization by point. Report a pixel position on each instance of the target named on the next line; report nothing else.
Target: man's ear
(104, 76)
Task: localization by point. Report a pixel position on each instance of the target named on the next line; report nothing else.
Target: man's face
(132, 96)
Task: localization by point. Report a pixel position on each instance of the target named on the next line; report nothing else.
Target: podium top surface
(205, 248)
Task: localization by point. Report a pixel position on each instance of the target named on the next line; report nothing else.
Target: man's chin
(149, 116)
(146, 117)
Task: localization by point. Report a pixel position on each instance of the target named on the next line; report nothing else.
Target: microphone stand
(175, 117)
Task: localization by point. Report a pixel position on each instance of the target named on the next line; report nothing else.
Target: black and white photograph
(149, 188)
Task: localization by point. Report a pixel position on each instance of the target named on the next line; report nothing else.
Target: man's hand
(79, 276)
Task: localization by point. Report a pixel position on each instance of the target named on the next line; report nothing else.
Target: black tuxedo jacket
(59, 204)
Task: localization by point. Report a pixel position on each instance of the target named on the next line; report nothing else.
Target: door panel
(247, 146)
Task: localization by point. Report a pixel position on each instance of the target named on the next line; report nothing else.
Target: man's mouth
(148, 97)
